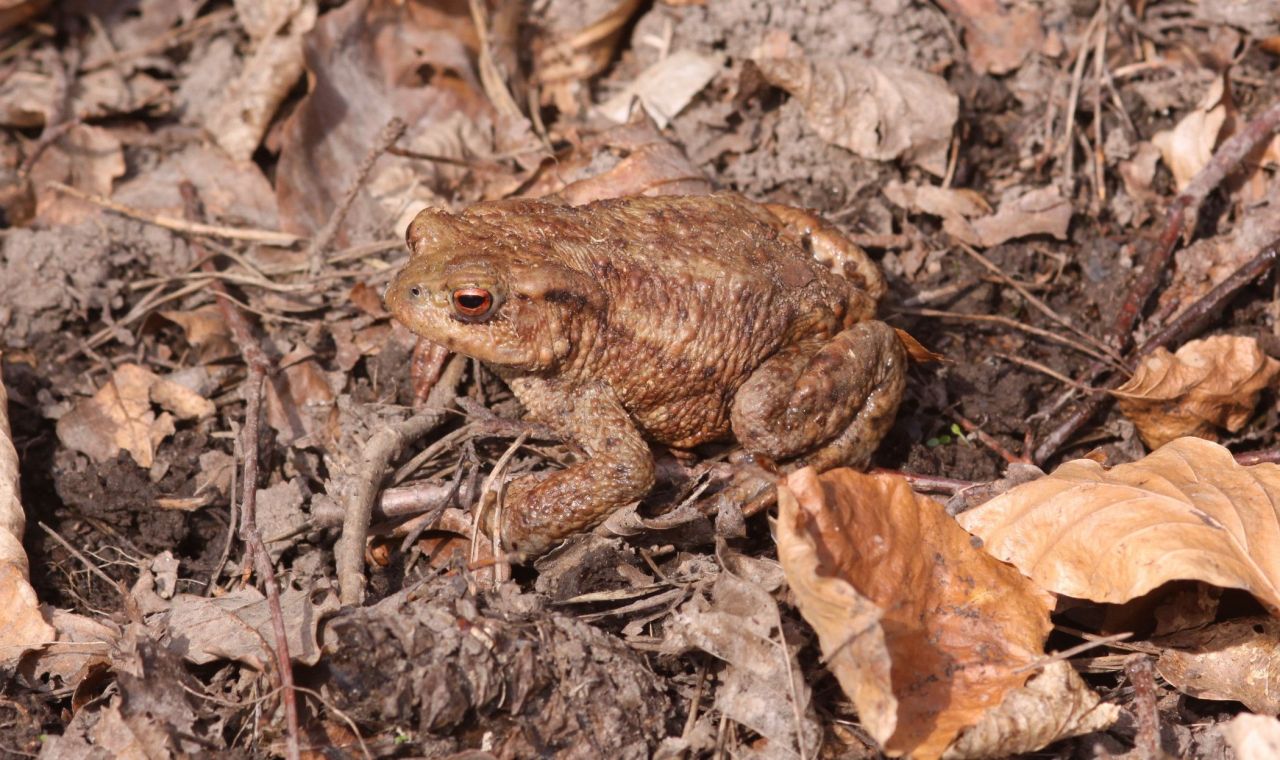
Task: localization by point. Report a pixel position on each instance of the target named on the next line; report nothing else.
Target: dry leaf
(925, 633)
(1185, 512)
(237, 626)
(24, 627)
(1208, 384)
(664, 88)
(876, 109)
(1236, 660)
(15, 12)
(1187, 148)
(1203, 265)
(1253, 737)
(206, 330)
(118, 416)
(997, 35)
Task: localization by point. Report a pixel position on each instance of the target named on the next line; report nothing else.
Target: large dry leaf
(118, 416)
(21, 625)
(1235, 660)
(1208, 384)
(925, 633)
(1185, 512)
(1187, 148)
(876, 109)
(997, 35)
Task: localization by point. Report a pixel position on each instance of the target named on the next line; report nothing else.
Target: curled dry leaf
(1185, 512)
(1235, 660)
(1187, 148)
(23, 626)
(925, 633)
(998, 35)
(876, 109)
(574, 42)
(1208, 384)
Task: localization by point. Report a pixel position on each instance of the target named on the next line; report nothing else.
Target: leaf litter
(1052, 137)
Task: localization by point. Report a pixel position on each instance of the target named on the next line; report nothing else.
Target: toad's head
(491, 284)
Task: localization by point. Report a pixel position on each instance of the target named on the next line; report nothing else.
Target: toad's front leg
(618, 469)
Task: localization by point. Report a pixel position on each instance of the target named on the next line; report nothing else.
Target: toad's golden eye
(472, 303)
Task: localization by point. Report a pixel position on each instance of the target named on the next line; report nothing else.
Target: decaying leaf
(1253, 737)
(1235, 660)
(762, 686)
(118, 416)
(1203, 265)
(876, 109)
(23, 626)
(1187, 148)
(1208, 384)
(920, 666)
(967, 216)
(237, 626)
(206, 330)
(998, 35)
(1186, 511)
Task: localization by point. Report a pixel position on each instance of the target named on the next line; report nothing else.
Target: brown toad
(678, 320)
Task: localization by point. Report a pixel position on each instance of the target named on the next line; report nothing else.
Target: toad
(674, 320)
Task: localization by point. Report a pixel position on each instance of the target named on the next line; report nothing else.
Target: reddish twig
(986, 440)
(259, 367)
(928, 483)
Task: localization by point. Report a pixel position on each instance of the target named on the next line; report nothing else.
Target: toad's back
(689, 299)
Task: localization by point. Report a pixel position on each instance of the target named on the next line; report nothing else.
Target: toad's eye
(472, 303)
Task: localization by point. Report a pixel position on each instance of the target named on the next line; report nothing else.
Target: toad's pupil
(472, 301)
(415, 291)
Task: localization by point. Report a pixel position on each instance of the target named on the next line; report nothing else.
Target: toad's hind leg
(831, 401)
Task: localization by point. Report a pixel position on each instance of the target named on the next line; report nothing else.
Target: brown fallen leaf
(876, 109)
(23, 626)
(1186, 511)
(1207, 385)
(925, 633)
(206, 330)
(1235, 660)
(1203, 265)
(998, 35)
(15, 12)
(118, 416)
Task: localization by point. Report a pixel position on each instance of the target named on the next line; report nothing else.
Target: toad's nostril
(415, 291)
